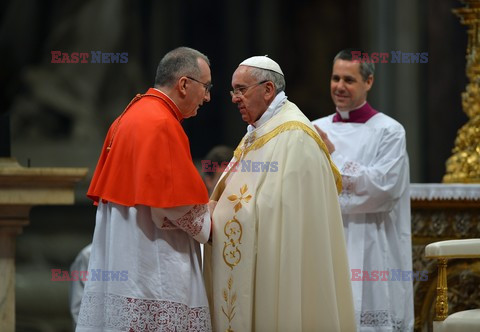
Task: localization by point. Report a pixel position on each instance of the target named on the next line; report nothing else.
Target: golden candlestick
(464, 165)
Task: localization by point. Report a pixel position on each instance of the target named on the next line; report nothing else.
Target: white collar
(346, 114)
(272, 109)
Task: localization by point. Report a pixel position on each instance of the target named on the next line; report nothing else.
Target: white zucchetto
(262, 62)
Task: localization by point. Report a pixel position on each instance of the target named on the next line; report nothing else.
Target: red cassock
(146, 158)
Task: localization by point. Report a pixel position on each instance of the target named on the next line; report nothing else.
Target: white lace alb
(110, 311)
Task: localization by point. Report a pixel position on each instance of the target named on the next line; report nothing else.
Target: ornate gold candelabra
(464, 165)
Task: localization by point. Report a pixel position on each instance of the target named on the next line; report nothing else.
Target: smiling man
(369, 148)
(152, 210)
(279, 256)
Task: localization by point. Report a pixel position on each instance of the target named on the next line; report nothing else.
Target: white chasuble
(279, 260)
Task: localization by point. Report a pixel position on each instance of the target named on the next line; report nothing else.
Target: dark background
(59, 113)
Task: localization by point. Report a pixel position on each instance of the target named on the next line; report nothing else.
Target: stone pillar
(20, 189)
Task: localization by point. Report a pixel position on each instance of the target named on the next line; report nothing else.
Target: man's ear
(269, 90)
(182, 86)
(369, 82)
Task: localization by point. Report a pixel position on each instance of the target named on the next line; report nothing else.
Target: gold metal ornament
(464, 165)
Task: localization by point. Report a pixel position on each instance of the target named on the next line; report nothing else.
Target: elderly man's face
(250, 95)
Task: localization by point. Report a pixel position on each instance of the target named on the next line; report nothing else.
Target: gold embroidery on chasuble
(231, 252)
(234, 227)
(244, 148)
(238, 200)
(230, 297)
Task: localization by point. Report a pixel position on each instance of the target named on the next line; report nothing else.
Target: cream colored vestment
(279, 260)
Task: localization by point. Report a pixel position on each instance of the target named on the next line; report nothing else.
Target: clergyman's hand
(325, 139)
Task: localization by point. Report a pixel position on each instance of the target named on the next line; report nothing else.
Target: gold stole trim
(241, 151)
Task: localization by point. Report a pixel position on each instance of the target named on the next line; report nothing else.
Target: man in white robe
(278, 257)
(145, 271)
(369, 148)
(76, 286)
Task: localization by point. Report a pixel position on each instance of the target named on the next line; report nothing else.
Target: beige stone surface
(20, 189)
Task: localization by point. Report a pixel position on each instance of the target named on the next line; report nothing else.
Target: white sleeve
(192, 219)
(377, 186)
(77, 286)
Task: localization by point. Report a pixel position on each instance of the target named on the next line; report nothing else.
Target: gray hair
(182, 61)
(366, 68)
(268, 75)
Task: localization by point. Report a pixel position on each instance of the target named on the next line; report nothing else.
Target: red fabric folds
(146, 158)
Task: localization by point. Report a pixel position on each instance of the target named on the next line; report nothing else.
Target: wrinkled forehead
(242, 75)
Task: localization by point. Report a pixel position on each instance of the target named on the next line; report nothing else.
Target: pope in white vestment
(370, 152)
(278, 257)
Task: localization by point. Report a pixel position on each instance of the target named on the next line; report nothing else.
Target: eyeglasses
(207, 86)
(241, 91)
